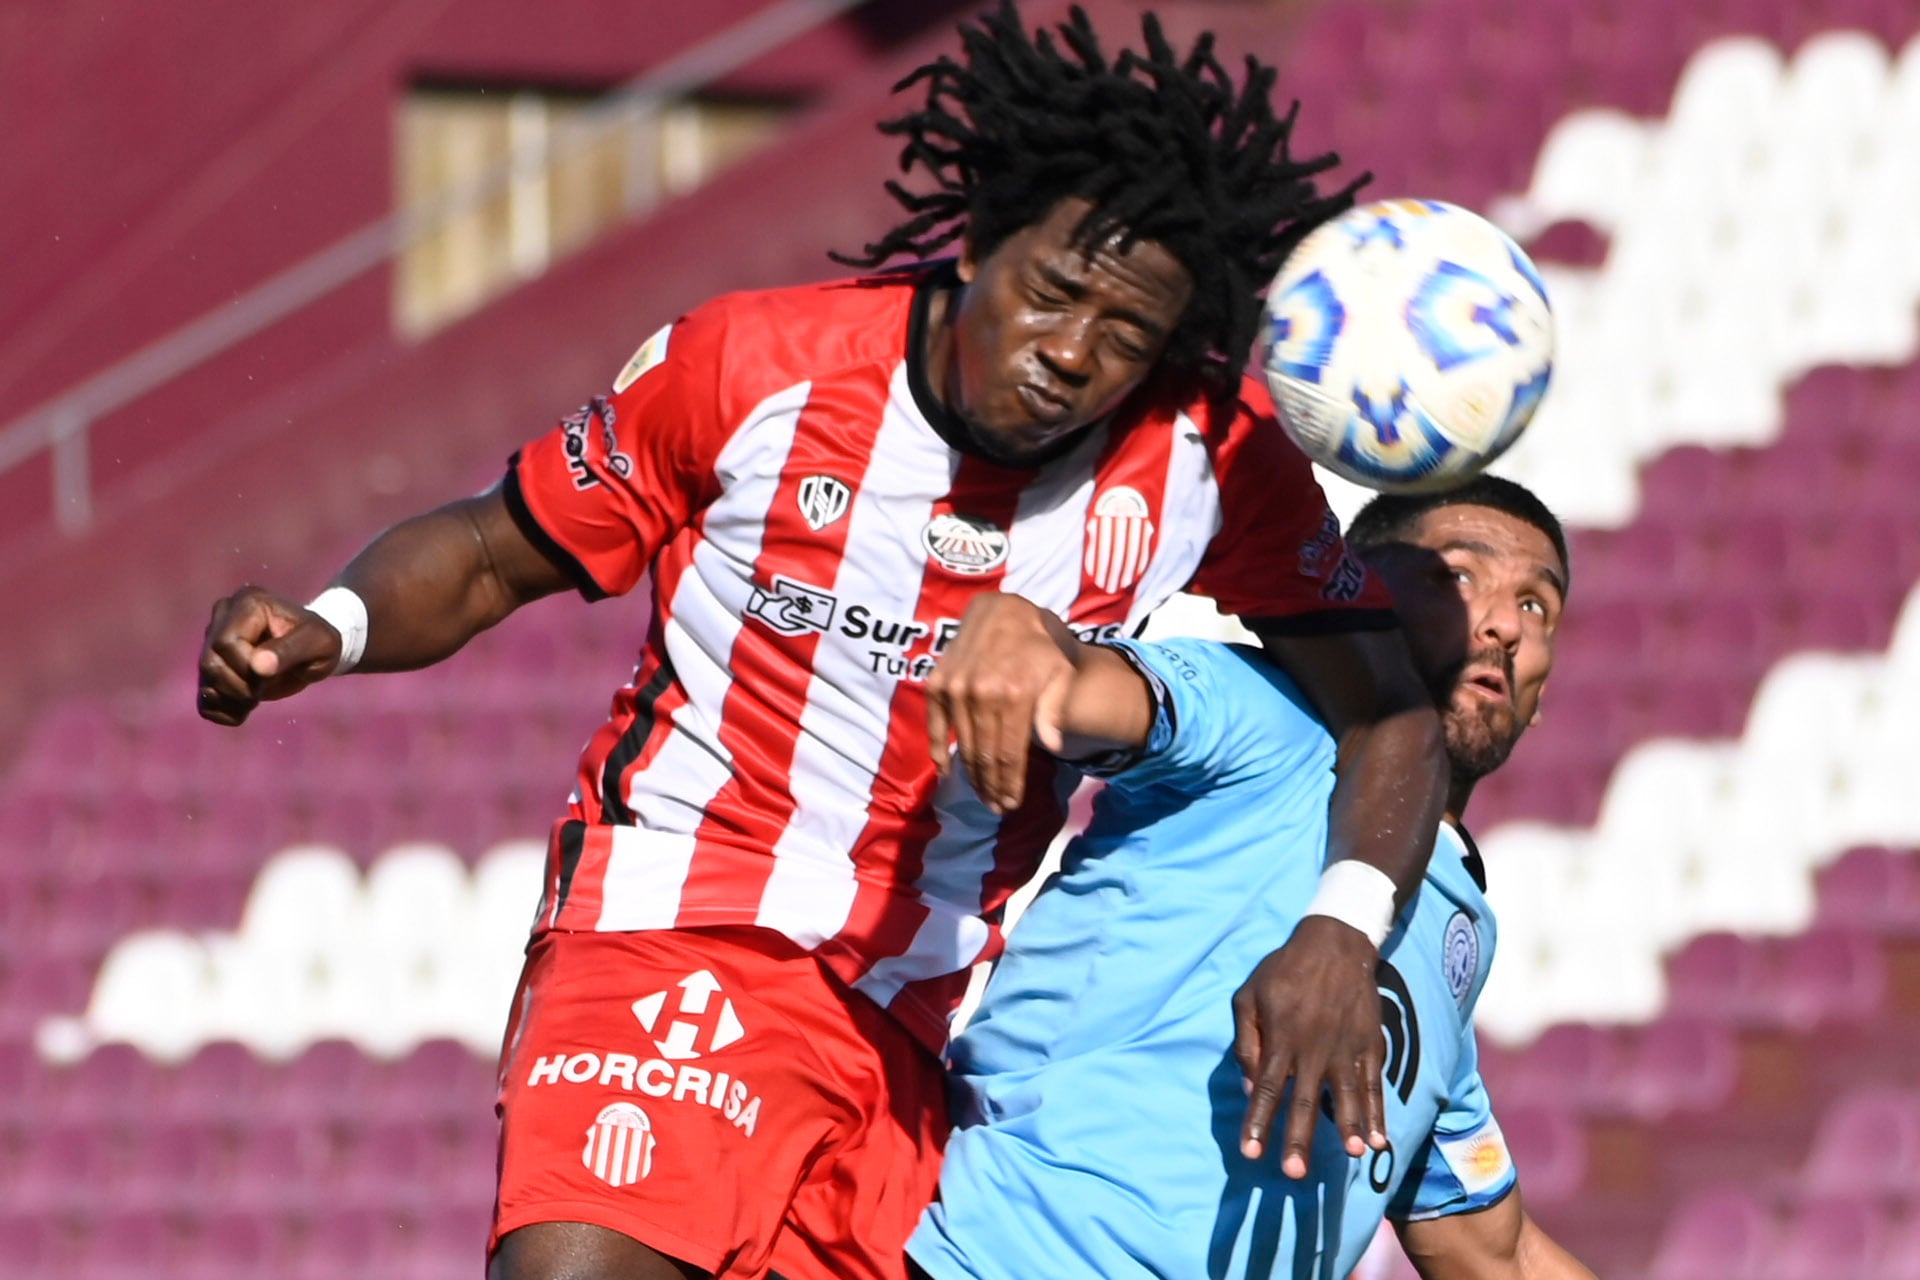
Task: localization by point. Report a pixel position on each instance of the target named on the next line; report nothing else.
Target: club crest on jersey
(620, 1145)
(1460, 955)
(966, 545)
(823, 499)
(1119, 539)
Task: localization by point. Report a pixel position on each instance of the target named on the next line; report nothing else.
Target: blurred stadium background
(276, 277)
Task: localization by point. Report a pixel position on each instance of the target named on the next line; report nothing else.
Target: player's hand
(260, 647)
(1310, 1013)
(982, 695)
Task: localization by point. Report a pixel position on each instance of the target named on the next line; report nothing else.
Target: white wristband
(346, 613)
(1356, 894)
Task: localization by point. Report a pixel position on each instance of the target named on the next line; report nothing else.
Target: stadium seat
(1717, 1235)
(1828, 978)
(1868, 1143)
(1682, 1064)
(1830, 1237)
(1872, 888)
(1548, 1143)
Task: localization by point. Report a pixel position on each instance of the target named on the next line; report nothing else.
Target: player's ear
(968, 264)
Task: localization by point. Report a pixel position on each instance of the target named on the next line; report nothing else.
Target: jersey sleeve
(1193, 741)
(1464, 1164)
(606, 489)
(1278, 561)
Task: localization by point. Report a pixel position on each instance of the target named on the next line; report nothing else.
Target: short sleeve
(1278, 561)
(605, 490)
(1201, 733)
(1464, 1164)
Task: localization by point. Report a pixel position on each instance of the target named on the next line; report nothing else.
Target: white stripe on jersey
(1043, 564)
(644, 872)
(1049, 529)
(1186, 523)
(845, 724)
(691, 766)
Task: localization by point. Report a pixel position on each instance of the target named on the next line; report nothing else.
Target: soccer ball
(1406, 344)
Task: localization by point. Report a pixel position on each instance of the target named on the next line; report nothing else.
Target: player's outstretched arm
(1014, 675)
(430, 584)
(1499, 1243)
(1310, 1011)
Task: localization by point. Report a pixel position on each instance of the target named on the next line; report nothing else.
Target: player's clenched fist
(259, 647)
(982, 697)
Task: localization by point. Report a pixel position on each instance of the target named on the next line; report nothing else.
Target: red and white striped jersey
(780, 464)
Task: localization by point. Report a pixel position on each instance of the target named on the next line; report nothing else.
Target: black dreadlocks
(1165, 148)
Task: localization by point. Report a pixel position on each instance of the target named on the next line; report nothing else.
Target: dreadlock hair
(1388, 518)
(1165, 148)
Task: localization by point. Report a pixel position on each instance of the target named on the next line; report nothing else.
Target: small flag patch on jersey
(1119, 539)
(620, 1144)
(1479, 1160)
(651, 353)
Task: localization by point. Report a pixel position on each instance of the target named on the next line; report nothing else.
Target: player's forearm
(435, 581)
(1388, 795)
(1540, 1257)
(1108, 704)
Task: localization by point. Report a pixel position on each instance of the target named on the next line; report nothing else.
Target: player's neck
(1458, 793)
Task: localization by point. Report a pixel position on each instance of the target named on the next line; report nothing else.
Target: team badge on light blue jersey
(1460, 954)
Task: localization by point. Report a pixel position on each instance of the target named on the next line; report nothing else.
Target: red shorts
(715, 1095)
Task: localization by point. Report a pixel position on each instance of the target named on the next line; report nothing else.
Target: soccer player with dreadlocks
(763, 903)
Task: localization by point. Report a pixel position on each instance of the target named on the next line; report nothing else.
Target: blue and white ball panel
(1407, 344)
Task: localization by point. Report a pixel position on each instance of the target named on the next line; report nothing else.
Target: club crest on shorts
(966, 545)
(620, 1145)
(823, 499)
(1119, 538)
(1460, 954)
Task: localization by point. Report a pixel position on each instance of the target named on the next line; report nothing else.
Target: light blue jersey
(1097, 1094)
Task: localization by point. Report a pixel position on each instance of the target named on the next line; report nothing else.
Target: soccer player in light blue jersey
(1100, 1092)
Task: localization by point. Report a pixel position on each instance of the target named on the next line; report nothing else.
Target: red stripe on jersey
(1124, 519)
(608, 766)
(640, 723)
(760, 719)
(890, 854)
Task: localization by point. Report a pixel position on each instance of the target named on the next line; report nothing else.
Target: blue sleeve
(1192, 743)
(1464, 1164)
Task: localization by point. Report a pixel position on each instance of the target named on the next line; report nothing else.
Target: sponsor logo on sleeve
(577, 443)
(650, 354)
(1313, 553)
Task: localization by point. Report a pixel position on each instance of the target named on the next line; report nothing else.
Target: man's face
(1048, 339)
(1479, 593)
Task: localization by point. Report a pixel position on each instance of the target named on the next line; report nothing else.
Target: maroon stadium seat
(1718, 1235)
(1872, 888)
(1830, 1237)
(1690, 1064)
(1869, 1142)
